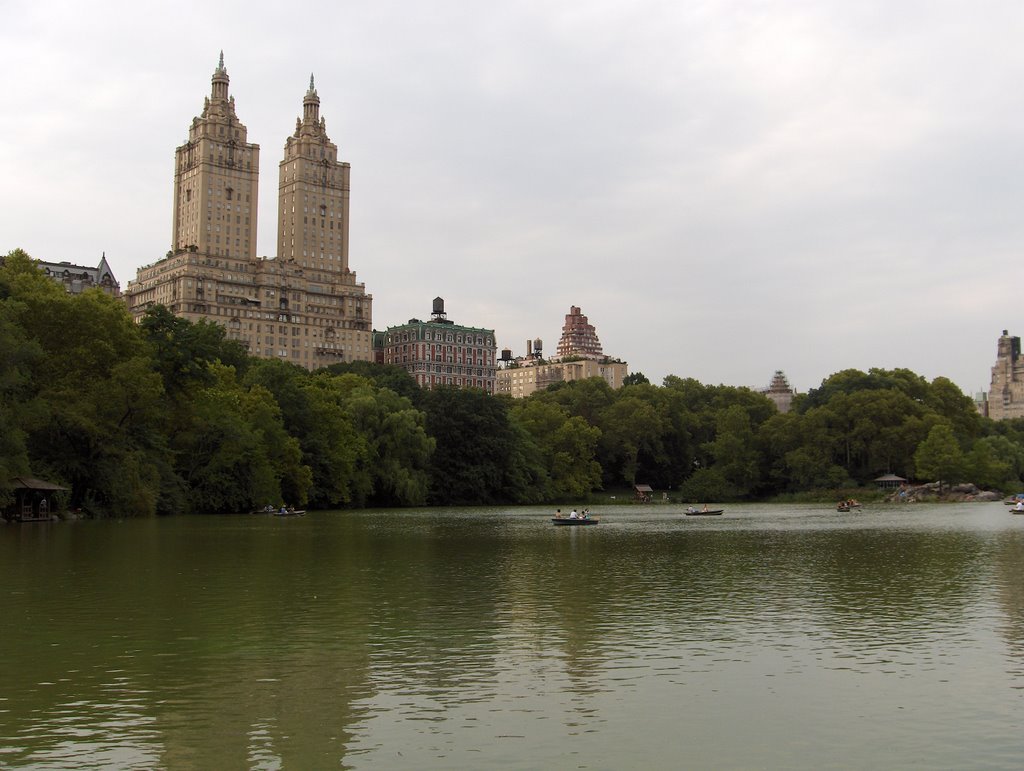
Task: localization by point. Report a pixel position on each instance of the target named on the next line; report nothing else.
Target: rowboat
(705, 513)
(574, 522)
(290, 513)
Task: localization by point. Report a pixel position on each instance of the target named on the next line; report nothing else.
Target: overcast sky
(725, 187)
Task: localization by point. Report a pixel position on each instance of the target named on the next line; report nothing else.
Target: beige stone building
(523, 378)
(304, 306)
(579, 357)
(1006, 393)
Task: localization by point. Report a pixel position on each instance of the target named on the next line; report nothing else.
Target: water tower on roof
(438, 312)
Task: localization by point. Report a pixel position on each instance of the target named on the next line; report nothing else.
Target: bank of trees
(169, 416)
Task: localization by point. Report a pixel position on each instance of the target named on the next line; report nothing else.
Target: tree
(183, 350)
(313, 410)
(996, 462)
(586, 398)
(939, 456)
(381, 375)
(737, 460)
(565, 448)
(398, 449)
(478, 457)
(630, 426)
(635, 378)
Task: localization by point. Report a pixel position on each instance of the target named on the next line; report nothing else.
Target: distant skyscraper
(305, 306)
(1006, 394)
(579, 337)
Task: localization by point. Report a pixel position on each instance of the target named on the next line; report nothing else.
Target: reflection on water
(771, 637)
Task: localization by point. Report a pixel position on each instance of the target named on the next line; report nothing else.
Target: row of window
(448, 337)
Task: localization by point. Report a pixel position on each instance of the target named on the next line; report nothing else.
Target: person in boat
(585, 514)
(573, 514)
(1019, 505)
(705, 507)
(558, 513)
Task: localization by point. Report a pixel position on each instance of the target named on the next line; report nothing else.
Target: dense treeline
(168, 416)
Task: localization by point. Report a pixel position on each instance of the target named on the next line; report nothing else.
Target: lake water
(773, 637)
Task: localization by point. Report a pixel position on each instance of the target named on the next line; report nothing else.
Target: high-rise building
(313, 194)
(1006, 393)
(305, 305)
(440, 352)
(216, 180)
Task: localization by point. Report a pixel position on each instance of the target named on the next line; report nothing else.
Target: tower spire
(220, 81)
(311, 105)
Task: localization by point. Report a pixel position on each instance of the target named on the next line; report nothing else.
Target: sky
(725, 187)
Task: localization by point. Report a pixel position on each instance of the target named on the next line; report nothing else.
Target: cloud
(726, 187)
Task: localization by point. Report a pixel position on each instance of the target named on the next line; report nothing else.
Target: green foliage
(564, 448)
(475, 460)
(169, 416)
(381, 375)
(184, 352)
(939, 456)
(394, 469)
(736, 457)
(707, 484)
(313, 412)
(635, 378)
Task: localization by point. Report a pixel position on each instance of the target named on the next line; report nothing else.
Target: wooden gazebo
(889, 480)
(33, 499)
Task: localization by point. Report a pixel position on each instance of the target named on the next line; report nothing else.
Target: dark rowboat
(290, 513)
(573, 522)
(708, 513)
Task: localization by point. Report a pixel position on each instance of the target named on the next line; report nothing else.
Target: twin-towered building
(304, 306)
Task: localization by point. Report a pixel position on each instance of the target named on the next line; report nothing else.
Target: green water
(770, 637)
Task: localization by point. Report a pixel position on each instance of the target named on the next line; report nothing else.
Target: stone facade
(525, 377)
(1006, 393)
(439, 352)
(216, 180)
(305, 306)
(313, 194)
